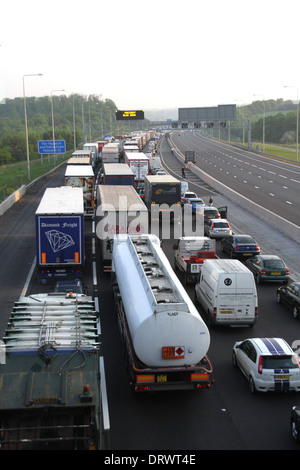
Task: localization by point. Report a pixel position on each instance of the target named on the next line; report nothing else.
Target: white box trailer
(227, 292)
(138, 162)
(82, 176)
(119, 210)
(111, 153)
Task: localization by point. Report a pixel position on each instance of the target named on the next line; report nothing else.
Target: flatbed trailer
(50, 387)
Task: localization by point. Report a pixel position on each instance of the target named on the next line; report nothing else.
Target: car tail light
(215, 312)
(257, 248)
(256, 311)
(236, 248)
(260, 364)
(263, 272)
(287, 272)
(296, 360)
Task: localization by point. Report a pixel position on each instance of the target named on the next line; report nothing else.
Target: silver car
(217, 228)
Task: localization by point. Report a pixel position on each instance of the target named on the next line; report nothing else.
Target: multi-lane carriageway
(269, 182)
(226, 417)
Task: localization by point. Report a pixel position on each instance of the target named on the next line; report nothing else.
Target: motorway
(226, 417)
(269, 182)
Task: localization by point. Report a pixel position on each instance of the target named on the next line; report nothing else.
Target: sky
(151, 55)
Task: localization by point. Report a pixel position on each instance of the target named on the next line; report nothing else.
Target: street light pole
(53, 136)
(263, 121)
(297, 121)
(26, 130)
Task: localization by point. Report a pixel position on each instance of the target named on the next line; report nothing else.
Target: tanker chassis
(165, 339)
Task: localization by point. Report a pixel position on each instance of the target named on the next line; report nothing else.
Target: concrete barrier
(275, 220)
(12, 199)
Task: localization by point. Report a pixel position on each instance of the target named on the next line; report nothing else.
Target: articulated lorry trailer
(165, 339)
(50, 387)
(119, 210)
(60, 234)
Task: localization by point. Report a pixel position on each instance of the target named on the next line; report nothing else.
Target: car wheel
(252, 386)
(295, 431)
(231, 254)
(295, 312)
(234, 361)
(278, 298)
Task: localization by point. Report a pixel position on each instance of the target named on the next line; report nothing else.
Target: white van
(227, 292)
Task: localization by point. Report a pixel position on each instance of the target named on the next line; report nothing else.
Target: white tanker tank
(165, 327)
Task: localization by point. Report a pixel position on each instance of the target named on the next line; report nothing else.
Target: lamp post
(26, 130)
(263, 121)
(53, 136)
(243, 120)
(297, 120)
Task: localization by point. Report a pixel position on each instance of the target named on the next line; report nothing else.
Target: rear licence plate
(247, 254)
(161, 378)
(282, 377)
(225, 311)
(275, 274)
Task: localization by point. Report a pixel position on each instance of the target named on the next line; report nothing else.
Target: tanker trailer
(165, 338)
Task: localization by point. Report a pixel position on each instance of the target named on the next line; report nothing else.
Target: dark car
(290, 296)
(210, 212)
(269, 268)
(295, 423)
(240, 246)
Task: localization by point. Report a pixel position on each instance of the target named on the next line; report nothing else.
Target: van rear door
(236, 299)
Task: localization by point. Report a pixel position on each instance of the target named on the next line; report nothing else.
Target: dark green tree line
(39, 120)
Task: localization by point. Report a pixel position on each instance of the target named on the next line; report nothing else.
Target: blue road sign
(46, 146)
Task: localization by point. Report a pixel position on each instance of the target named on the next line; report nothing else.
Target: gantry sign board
(129, 115)
(46, 146)
(222, 112)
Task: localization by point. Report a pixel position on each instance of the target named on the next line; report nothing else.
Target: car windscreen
(279, 362)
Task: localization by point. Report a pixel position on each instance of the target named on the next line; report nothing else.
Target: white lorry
(190, 254)
(227, 293)
(165, 338)
(119, 210)
(111, 153)
(138, 162)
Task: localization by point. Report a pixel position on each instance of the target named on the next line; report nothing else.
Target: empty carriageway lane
(270, 183)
